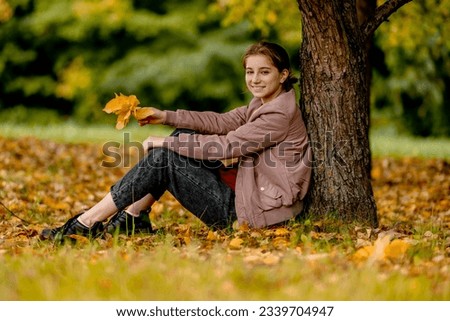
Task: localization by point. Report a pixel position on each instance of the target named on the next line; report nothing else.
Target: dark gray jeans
(195, 184)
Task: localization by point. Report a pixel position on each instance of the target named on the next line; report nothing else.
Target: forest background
(65, 59)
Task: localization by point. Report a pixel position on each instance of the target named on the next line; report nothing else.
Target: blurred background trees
(67, 58)
(412, 78)
(71, 56)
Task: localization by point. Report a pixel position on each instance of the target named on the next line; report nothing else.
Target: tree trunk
(334, 99)
(365, 10)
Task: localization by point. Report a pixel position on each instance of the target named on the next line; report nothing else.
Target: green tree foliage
(412, 60)
(73, 55)
(415, 83)
(271, 19)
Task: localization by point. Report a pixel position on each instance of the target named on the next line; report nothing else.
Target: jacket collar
(284, 98)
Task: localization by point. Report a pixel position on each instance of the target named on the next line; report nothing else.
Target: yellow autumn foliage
(382, 250)
(125, 106)
(396, 249)
(6, 11)
(73, 79)
(236, 243)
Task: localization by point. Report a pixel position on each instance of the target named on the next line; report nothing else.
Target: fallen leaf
(281, 231)
(396, 249)
(382, 250)
(373, 253)
(212, 236)
(379, 248)
(187, 240)
(280, 242)
(79, 238)
(236, 243)
(363, 253)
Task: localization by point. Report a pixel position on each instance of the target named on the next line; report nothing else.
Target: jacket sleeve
(207, 122)
(265, 130)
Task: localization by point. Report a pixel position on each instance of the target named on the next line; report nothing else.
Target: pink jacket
(271, 143)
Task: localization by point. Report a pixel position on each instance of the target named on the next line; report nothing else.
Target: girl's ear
(284, 75)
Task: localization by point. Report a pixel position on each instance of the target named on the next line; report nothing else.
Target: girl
(251, 164)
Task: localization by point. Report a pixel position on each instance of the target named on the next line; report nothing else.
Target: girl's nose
(255, 77)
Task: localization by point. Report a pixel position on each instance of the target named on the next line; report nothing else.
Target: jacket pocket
(268, 196)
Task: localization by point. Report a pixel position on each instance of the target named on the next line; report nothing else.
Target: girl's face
(263, 79)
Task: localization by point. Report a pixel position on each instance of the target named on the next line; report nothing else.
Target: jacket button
(262, 188)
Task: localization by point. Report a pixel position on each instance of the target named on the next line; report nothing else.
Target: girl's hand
(153, 142)
(158, 117)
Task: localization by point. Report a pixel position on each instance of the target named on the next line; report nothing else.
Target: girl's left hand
(153, 142)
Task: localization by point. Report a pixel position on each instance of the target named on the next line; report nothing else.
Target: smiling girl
(252, 164)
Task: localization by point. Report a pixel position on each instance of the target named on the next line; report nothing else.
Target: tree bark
(334, 100)
(365, 10)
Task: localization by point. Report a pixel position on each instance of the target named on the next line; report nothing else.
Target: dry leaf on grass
(382, 251)
(236, 243)
(396, 250)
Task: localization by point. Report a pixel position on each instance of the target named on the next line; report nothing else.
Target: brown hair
(278, 56)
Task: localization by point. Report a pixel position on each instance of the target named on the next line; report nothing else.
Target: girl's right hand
(158, 117)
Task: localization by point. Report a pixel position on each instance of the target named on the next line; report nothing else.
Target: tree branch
(382, 14)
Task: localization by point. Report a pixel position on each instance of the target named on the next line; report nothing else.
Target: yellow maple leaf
(281, 231)
(382, 250)
(121, 103)
(363, 253)
(125, 106)
(122, 119)
(236, 243)
(396, 249)
(142, 112)
(212, 236)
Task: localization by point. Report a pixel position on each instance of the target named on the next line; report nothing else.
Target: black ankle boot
(72, 226)
(128, 224)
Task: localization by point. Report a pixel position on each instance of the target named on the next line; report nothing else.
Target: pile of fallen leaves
(43, 183)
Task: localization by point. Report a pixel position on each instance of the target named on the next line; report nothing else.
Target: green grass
(125, 273)
(381, 144)
(74, 133)
(408, 146)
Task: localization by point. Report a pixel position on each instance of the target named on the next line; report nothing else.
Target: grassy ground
(406, 146)
(407, 258)
(382, 144)
(74, 133)
(133, 272)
